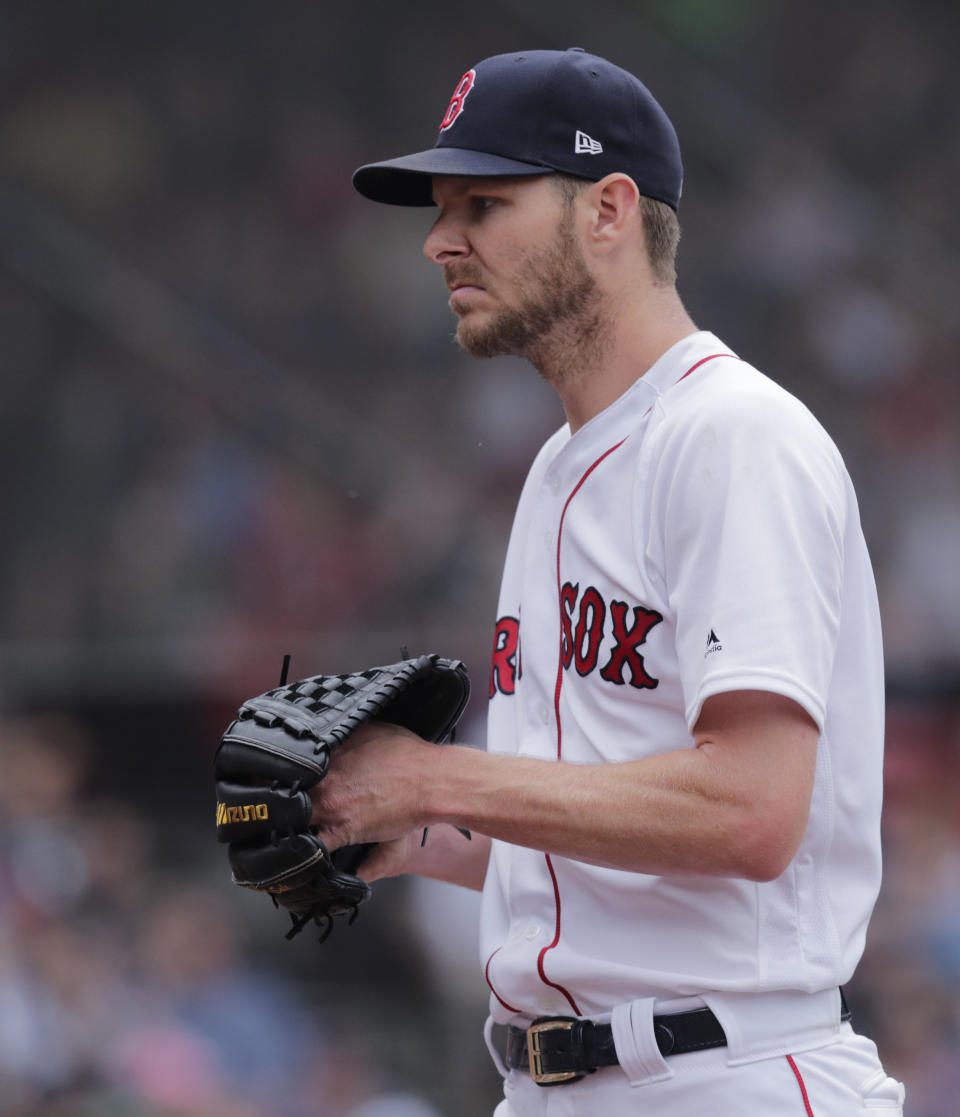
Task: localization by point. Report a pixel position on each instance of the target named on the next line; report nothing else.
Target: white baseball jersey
(700, 535)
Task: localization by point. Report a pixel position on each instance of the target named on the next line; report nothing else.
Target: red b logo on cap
(456, 101)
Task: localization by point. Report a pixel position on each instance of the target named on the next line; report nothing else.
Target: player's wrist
(454, 785)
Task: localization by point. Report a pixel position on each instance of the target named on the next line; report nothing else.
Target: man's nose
(445, 241)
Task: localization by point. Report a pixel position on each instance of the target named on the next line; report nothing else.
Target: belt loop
(636, 1044)
(492, 1048)
(770, 1024)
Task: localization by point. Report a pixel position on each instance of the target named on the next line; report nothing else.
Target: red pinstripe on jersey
(486, 974)
(556, 709)
(556, 938)
(703, 361)
(563, 515)
(541, 958)
(556, 699)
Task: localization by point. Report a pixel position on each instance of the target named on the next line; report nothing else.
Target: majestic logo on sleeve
(595, 635)
(455, 108)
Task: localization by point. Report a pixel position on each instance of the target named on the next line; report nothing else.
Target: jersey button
(544, 715)
(531, 932)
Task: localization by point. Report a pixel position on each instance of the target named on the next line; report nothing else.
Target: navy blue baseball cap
(536, 112)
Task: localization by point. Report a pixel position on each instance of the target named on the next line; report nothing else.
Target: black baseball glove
(281, 745)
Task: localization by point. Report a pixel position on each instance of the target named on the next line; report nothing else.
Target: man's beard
(556, 314)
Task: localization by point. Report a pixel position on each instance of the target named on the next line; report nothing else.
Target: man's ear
(614, 210)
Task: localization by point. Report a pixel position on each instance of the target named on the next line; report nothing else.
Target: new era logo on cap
(584, 145)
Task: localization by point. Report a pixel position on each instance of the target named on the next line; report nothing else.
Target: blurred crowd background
(234, 425)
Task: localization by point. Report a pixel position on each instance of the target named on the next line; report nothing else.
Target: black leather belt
(560, 1049)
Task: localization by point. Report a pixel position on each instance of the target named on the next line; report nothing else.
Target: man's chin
(502, 335)
(478, 342)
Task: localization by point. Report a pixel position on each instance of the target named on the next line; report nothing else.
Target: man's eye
(483, 203)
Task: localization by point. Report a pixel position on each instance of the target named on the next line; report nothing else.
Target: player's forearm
(668, 813)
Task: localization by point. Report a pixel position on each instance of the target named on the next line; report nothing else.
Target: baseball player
(676, 820)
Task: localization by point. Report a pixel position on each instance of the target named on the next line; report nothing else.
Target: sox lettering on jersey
(583, 627)
(580, 644)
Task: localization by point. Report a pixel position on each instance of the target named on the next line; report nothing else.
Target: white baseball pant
(841, 1079)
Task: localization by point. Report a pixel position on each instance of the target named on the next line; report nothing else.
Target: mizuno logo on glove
(252, 812)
